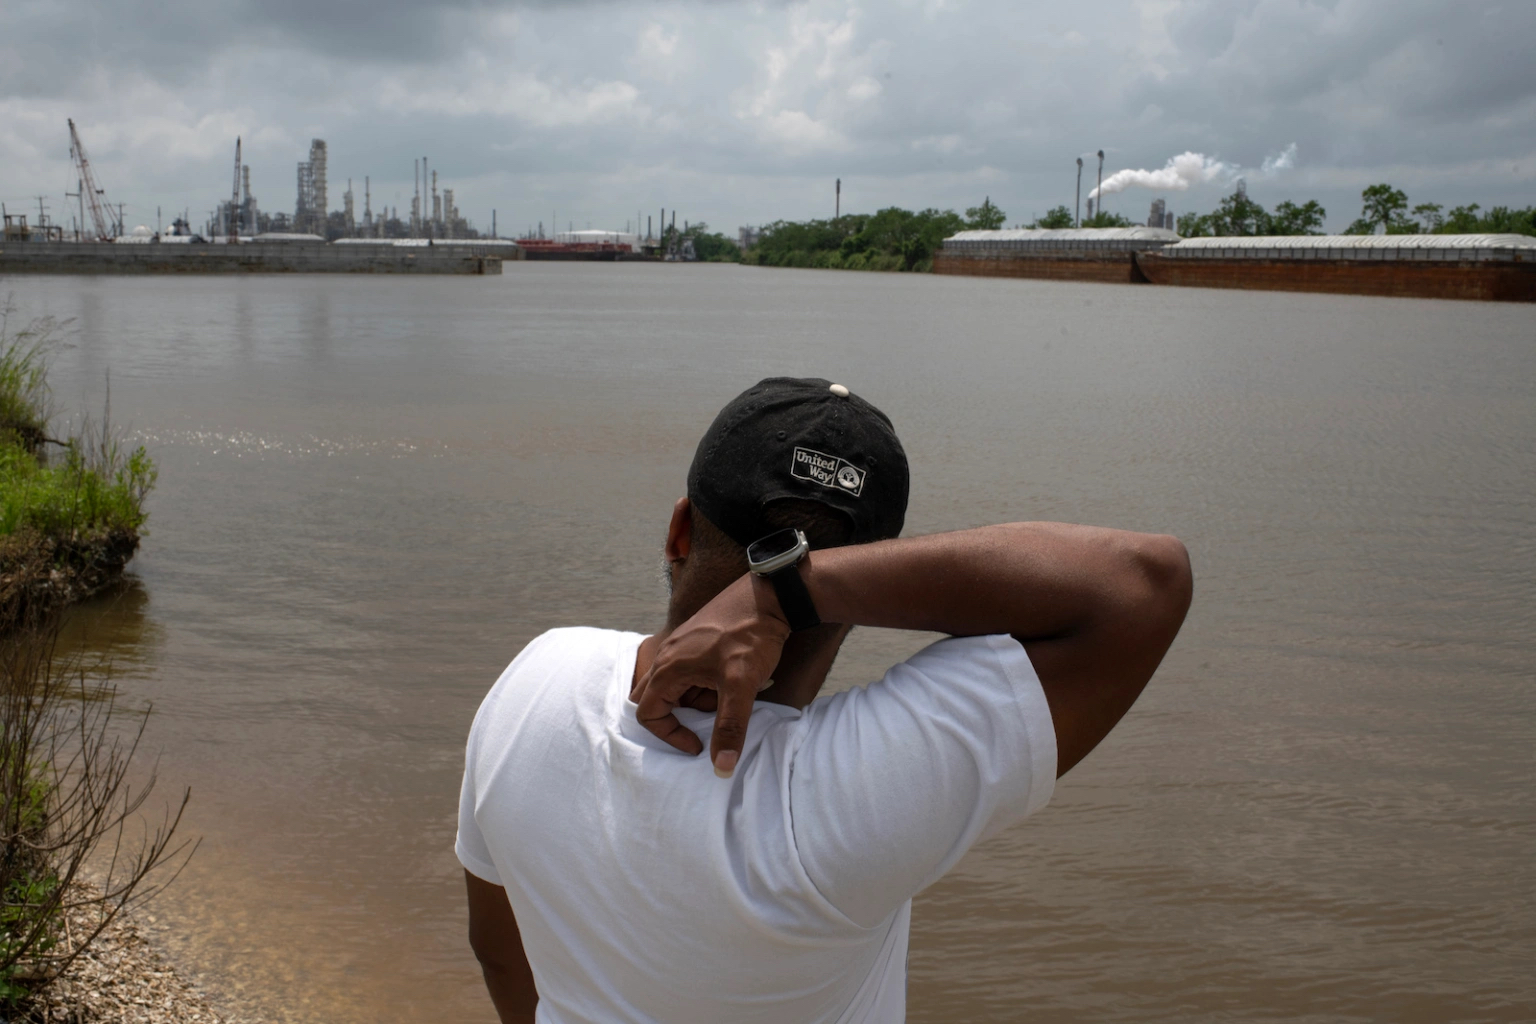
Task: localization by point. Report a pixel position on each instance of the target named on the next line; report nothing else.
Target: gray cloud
(740, 112)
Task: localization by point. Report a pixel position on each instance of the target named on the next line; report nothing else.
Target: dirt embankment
(40, 574)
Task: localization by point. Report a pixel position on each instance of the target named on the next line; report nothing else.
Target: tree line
(890, 239)
(1384, 210)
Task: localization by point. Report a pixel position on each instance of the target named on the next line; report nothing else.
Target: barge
(549, 249)
(1489, 268)
(1073, 254)
(251, 258)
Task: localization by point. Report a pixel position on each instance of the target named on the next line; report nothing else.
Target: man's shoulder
(556, 668)
(579, 642)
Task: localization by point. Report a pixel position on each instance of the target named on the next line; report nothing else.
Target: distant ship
(606, 246)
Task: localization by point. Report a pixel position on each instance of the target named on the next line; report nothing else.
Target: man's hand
(731, 647)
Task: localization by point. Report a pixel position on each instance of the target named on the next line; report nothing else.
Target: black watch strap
(794, 600)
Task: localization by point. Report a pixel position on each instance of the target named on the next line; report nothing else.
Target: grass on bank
(82, 491)
(83, 488)
(24, 377)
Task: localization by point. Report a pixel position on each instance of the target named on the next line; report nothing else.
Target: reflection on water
(114, 628)
(374, 491)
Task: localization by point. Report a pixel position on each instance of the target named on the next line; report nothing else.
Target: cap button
(839, 390)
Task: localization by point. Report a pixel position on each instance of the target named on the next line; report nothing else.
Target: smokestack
(1100, 190)
(1077, 207)
(837, 210)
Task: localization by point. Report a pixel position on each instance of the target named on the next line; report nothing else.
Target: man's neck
(802, 669)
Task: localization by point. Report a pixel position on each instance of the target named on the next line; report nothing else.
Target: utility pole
(78, 193)
(1077, 208)
(1099, 192)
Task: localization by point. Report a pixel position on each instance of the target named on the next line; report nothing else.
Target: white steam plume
(1188, 169)
(1282, 161)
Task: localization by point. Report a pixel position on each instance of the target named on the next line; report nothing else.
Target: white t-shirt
(649, 890)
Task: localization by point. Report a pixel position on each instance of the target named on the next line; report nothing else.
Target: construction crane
(93, 195)
(234, 199)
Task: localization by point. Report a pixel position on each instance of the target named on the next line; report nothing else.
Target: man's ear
(680, 531)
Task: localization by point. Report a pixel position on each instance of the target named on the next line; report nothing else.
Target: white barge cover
(1444, 248)
(1062, 240)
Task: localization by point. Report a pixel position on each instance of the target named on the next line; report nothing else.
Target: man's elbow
(1165, 580)
(491, 952)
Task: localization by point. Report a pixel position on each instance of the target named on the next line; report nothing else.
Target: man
(613, 876)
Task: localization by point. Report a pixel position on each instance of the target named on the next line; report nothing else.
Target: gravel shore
(121, 979)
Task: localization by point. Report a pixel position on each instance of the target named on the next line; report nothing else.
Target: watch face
(773, 545)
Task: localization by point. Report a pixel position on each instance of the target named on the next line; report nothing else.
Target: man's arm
(498, 945)
(1096, 609)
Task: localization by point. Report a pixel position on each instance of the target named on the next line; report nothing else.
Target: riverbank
(41, 573)
(120, 979)
(71, 512)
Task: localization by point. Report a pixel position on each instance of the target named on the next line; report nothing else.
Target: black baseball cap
(791, 437)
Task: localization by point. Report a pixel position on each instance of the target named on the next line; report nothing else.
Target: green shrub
(85, 491)
(24, 376)
(66, 801)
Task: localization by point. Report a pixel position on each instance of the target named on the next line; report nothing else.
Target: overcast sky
(742, 113)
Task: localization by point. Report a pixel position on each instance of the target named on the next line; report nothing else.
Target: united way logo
(828, 471)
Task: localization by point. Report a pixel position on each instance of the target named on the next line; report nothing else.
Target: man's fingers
(730, 730)
(700, 699)
(668, 728)
(654, 711)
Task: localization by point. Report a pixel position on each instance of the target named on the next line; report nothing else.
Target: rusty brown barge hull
(575, 256)
(1479, 281)
(1476, 267)
(1109, 267)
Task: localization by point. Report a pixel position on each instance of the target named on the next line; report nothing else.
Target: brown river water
(374, 490)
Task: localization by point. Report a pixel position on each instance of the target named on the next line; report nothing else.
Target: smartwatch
(776, 558)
